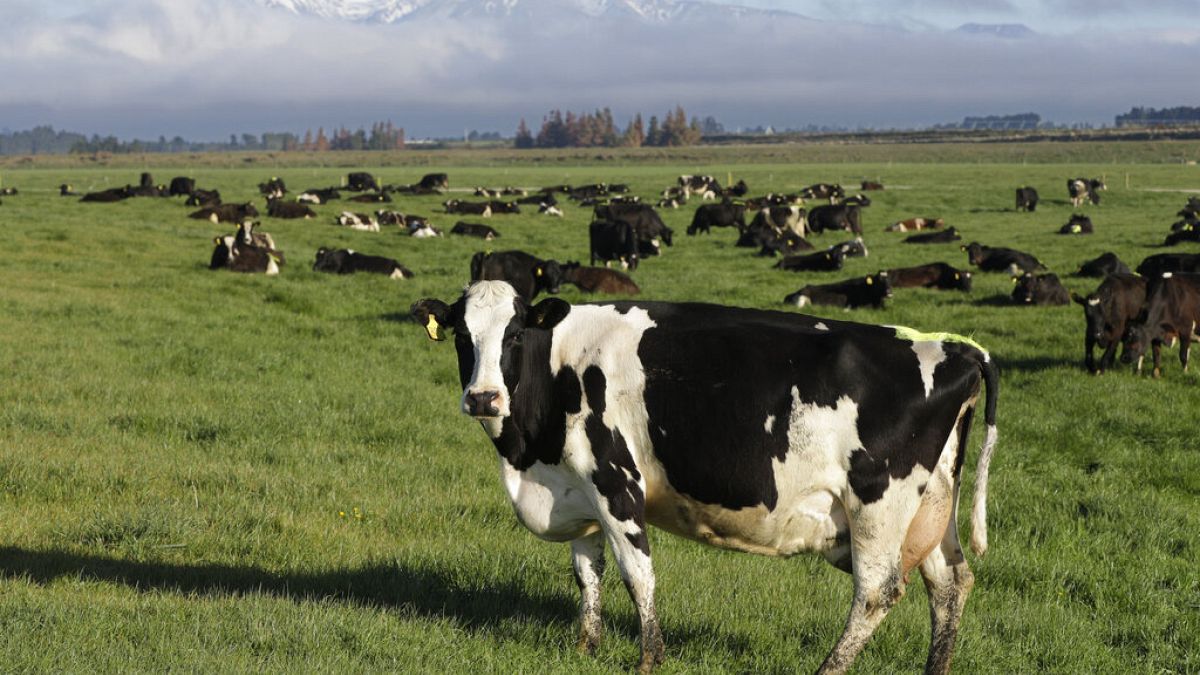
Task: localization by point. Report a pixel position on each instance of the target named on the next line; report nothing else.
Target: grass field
(215, 472)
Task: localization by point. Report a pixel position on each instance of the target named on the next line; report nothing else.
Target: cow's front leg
(1157, 348)
(587, 559)
(632, 552)
(1185, 342)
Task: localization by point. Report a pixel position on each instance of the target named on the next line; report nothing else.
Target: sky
(205, 69)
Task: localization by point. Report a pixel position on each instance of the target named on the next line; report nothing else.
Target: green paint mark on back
(914, 335)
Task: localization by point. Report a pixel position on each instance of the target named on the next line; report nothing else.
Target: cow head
(1025, 286)
(492, 325)
(974, 253)
(1097, 328)
(548, 275)
(1138, 336)
(962, 280)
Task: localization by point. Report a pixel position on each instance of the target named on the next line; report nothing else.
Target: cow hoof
(587, 644)
(1157, 374)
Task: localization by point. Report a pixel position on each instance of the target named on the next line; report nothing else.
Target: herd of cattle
(1141, 311)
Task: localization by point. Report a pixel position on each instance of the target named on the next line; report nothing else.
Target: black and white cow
(474, 230)
(483, 209)
(832, 192)
(649, 226)
(361, 181)
(1027, 199)
(758, 431)
(1077, 224)
(869, 291)
(725, 214)
(66, 190)
(1102, 266)
(1118, 301)
(1084, 189)
(347, 261)
(1039, 289)
(273, 188)
(788, 217)
(835, 217)
(362, 222)
(855, 248)
(319, 196)
(246, 251)
(527, 274)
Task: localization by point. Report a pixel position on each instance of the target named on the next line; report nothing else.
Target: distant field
(222, 472)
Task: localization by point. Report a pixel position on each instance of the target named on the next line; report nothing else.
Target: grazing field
(225, 472)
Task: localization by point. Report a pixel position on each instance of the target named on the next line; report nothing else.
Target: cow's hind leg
(948, 581)
(587, 560)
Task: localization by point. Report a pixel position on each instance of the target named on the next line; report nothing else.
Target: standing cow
(744, 429)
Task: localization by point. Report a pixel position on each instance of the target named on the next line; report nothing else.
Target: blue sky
(208, 68)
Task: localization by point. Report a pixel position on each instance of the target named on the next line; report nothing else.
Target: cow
(1039, 289)
(371, 198)
(386, 217)
(510, 191)
(725, 214)
(705, 186)
(613, 240)
(181, 185)
(226, 213)
(1102, 266)
(273, 188)
(871, 185)
(670, 202)
(483, 210)
(486, 192)
(246, 251)
(551, 189)
(361, 181)
(1154, 266)
(319, 196)
(1171, 312)
(599, 280)
(739, 190)
(1078, 224)
(1027, 199)
(277, 208)
(857, 200)
(499, 206)
(146, 180)
(108, 196)
(433, 182)
(539, 200)
(474, 230)
(791, 218)
(205, 199)
(835, 217)
(646, 222)
(348, 261)
(915, 225)
(937, 275)
(868, 291)
(1000, 259)
(772, 241)
(833, 192)
(759, 431)
(1108, 311)
(421, 229)
(1189, 222)
(588, 192)
(943, 237)
(357, 221)
(527, 275)
(1191, 234)
(773, 199)
(855, 248)
(821, 261)
(550, 210)
(66, 190)
(149, 191)
(1083, 189)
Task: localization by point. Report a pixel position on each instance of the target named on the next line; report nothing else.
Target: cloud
(208, 68)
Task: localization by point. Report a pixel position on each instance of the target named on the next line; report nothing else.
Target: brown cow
(599, 280)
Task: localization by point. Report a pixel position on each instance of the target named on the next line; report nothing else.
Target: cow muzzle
(484, 404)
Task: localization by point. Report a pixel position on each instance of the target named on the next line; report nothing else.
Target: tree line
(598, 129)
(1138, 116)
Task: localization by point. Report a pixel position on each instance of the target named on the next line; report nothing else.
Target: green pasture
(213, 472)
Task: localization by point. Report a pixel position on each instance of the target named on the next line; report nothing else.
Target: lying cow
(1108, 311)
(357, 221)
(744, 429)
(181, 185)
(371, 198)
(1171, 313)
(833, 192)
(550, 210)
(915, 225)
(937, 275)
(1102, 266)
(109, 195)
(1155, 266)
(528, 275)
(599, 280)
(1039, 289)
(277, 208)
(483, 210)
(273, 188)
(432, 182)
(1078, 224)
(1084, 189)
(791, 218)
(1027, 199)
(226, 213)
(855, 248)
(347, 261)
(1190, 234)
(246, 251)
(499, 206)
(821, 261)
(474, 230)
(868, 291)
(1000, 259)
(66, 190)
(944, 237)
(361, 181)
(319, 196)
(871, 185)
(205, 199)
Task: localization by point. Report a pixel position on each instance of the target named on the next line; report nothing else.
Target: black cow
(474, 230)
(319, 196)
(1027, 199)
(433, 182)
(527, 274)
(226, 213)
(871, 185)
(725, 214)
(468, 208)
(613, 240)
(1156, 265)
(1171, 313)
(146, 180)
(768, 432)
(181, 185)
(274, 187)
(1039, 289)
(1078, 224)
(539, 199)
(361, 181)
(346, 261)
(1190, 234)
(277, 208)
(1108, 311)
(1189, 222)
(1102, 266)
(868, 291)
(645, 220)
(1000, 259)
(149, 191)
(1084, 189)
(835, 217)
(203, 198)
(771, 241)
(371, 198)
(821, 261)
(941, 237)
(585, 192)
(66, 190)
(937, 275)
(739, 189)
(499, 206)
(599, 280)
(109, 195)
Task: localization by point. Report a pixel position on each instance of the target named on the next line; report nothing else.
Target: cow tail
(991, 380)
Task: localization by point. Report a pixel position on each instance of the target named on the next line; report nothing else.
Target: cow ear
(432, 314)
(547, 313)
(1078, 298)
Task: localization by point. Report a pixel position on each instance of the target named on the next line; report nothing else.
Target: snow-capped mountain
(392, 11)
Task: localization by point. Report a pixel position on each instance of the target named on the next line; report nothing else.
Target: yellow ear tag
(957, 276)
(870, 281)
(432, 328)
(539, 271)
(1015, 280)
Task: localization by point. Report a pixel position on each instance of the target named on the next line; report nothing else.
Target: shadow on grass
(1039, 364)
(478, 605)
(998, 300)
